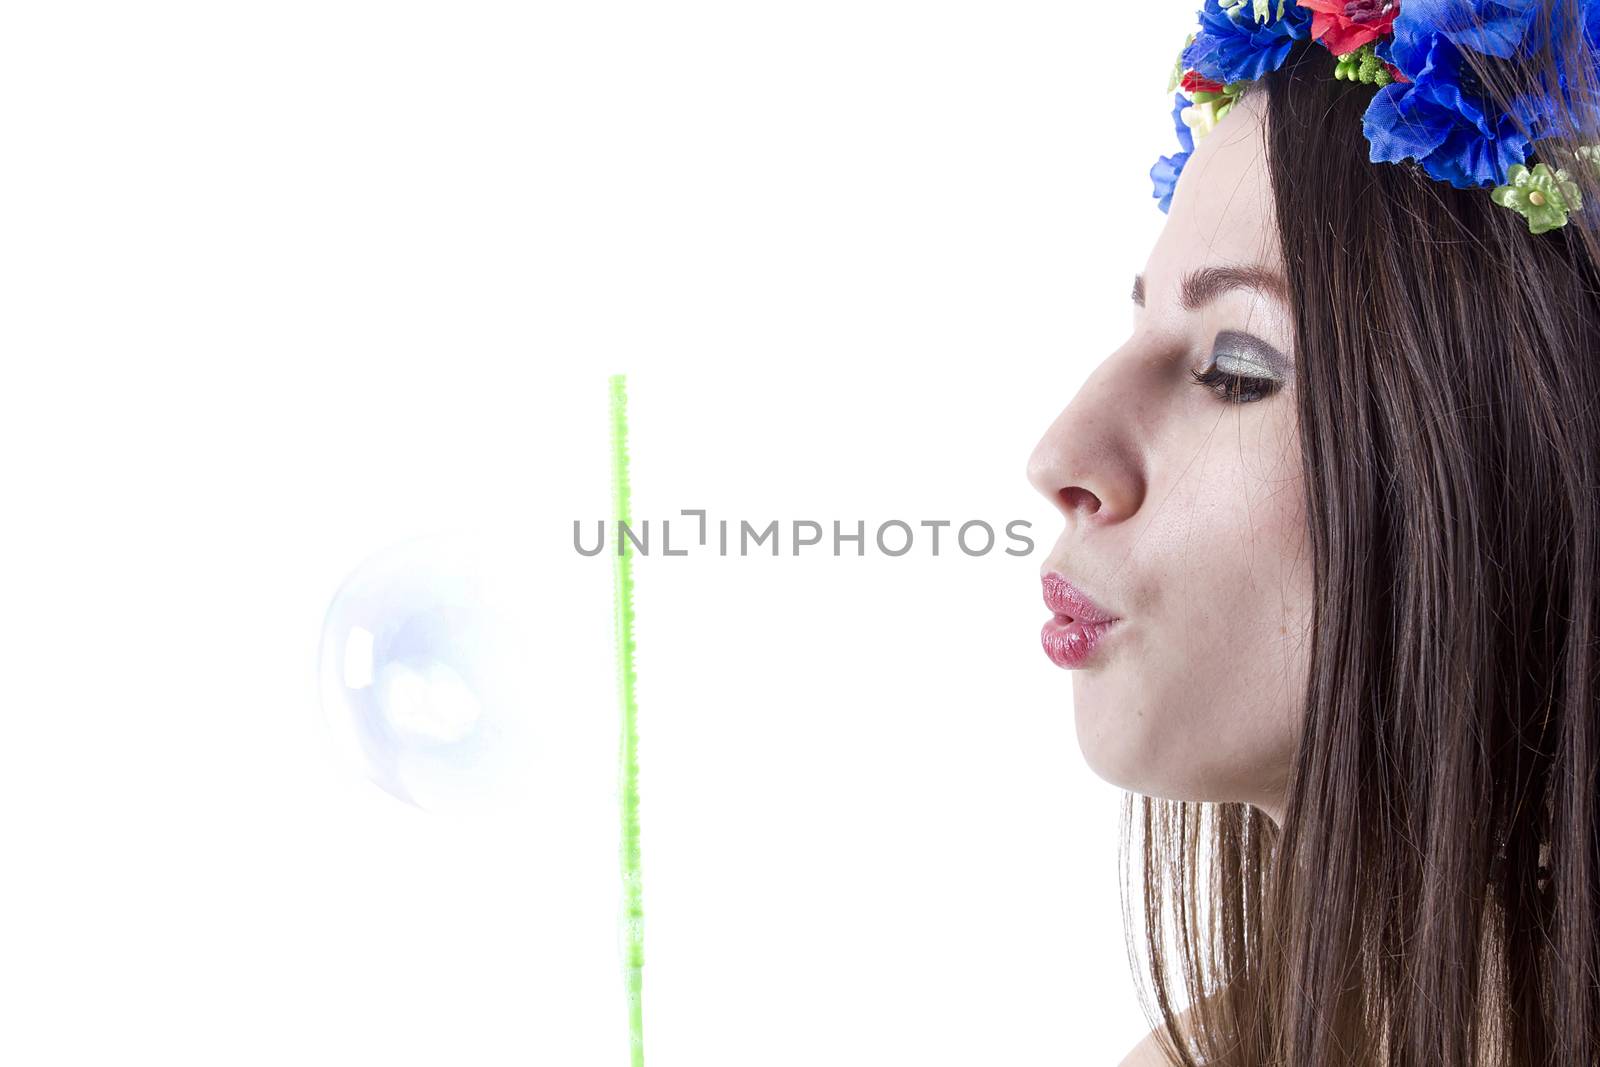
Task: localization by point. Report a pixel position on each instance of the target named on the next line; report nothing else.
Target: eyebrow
(1204, 285)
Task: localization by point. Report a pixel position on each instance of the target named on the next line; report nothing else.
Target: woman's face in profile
(1182, 503)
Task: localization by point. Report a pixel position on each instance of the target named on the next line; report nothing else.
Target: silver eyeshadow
(1249, 356)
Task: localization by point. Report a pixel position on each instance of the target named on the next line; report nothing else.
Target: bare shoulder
(1147, 1053)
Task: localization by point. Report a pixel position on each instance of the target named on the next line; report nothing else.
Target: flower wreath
(1428, 106)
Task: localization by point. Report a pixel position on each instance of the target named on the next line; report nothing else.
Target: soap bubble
(423, 673)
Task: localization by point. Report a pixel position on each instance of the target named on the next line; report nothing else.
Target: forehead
(1221, 210)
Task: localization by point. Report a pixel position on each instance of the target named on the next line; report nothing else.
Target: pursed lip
(1064, 598)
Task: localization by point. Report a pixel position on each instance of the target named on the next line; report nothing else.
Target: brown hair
(1433, 894)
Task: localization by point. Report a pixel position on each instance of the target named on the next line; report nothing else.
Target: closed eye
(1234, 353)
(1234, 388)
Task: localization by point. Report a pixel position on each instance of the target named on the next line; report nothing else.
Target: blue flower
(1493, 27)
(1442, 117)
(1232, 46)
(1166, 170)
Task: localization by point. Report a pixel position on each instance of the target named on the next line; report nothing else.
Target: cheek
(1202, 700)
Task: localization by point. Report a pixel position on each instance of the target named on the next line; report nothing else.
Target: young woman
(1329, 577)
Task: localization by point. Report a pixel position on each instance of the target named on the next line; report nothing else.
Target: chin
(1140, 747)
(1115, 736)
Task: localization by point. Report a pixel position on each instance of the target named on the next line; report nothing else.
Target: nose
(1085, 463)
(1048, 472)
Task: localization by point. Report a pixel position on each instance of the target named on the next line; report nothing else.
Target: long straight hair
(1432, 896)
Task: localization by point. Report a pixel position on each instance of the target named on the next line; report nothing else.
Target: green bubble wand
(628, 759)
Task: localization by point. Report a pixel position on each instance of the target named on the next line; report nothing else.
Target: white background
(286, 284)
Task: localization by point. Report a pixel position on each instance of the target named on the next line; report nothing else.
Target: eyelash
(1233, 388)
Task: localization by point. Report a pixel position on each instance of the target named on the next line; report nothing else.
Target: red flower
(1195, 82)
(1345, 25)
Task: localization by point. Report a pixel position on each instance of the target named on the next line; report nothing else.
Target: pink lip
(1072, 635)
(1064, 598)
